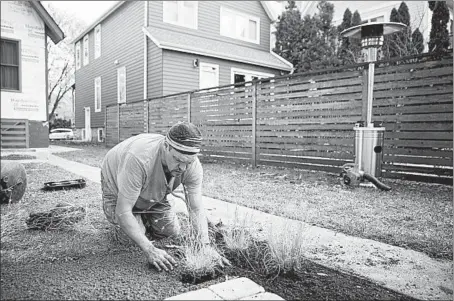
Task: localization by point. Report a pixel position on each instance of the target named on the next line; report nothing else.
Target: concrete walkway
(406, 271)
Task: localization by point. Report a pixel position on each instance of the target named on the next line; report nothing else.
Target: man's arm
(130, 182)
(197, 215)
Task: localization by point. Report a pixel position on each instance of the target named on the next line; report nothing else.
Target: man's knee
(172, 229)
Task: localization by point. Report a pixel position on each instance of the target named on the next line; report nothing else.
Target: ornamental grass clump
(199, 262)
(285, 254)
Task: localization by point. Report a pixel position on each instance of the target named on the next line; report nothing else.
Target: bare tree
(61, 65)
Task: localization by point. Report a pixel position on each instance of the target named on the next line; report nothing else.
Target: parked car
(61, 134)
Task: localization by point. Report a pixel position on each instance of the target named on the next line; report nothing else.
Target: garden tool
(13, 182)
(353, 176)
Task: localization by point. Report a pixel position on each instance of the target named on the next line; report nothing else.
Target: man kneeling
(135, 178)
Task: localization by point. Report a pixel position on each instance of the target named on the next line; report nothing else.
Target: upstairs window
(97, 41)
(78, 58)
(182, 13)
(238, 25)
(86, 51)
(98, 94)
(10, 71)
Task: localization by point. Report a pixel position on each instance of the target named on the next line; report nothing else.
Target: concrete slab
(201, 294)
(236, 289)
(264, 296)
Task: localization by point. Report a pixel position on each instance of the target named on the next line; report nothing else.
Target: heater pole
(371, 58)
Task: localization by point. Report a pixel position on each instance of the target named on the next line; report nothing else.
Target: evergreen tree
(343, 52)
(288, 37)
(355, 44)
(417, 40)
(402, 43)
(439, 35)
(309, 43)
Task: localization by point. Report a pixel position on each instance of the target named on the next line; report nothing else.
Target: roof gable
(53, 30)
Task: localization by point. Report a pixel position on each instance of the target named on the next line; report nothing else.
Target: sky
(87, 11)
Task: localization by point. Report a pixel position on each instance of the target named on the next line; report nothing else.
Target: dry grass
(413, 215)
(88, 236)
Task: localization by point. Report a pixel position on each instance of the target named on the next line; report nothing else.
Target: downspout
(46, 59)
(145, 68)
(145, 53)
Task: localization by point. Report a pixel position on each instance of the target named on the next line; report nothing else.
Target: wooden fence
(306, 120)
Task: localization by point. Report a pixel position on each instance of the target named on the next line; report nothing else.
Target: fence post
(254, 124)
(118, 123)
(145, 116)
(364, 95)
(148, 115)
(189, 107)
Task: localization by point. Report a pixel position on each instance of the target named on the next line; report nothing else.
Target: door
(87, 124)
(209, 75)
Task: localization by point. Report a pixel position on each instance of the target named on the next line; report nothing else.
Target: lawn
(413, 215)
(83, 261)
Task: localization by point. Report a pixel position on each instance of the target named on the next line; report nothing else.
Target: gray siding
(154, 70)
(179, 75)
(122, 40)
(209, 20)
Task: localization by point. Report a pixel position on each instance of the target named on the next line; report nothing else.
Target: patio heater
(368, 137)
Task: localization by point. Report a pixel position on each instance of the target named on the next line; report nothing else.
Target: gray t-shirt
(133, 169)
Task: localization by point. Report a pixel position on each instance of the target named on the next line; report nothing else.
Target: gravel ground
(413, 215)
(84, 262)
(79, 263)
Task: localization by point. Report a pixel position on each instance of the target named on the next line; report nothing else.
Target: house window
(182, 13)
(10, 68)
(377, 19)
(78, 55)
(240, 26)
(97, 41)
(98, 94)
(100, 134)
(208, 76)
(241, 75)
(121, 84)
(86, 51)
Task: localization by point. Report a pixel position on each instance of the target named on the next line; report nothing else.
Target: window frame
(246, 72)
(236, 13)
(78, 50)
(98, 83)
(180, 5)
(98, 41)
(203, 64)
(119, 69)
(86, 44)
(19, 66)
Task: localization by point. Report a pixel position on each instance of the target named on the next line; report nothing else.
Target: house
(25, 27)
(144, 49)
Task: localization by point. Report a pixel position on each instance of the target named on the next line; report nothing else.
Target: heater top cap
(373, 29)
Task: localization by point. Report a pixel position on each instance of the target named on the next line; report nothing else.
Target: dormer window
(238, 25)
(182, 13)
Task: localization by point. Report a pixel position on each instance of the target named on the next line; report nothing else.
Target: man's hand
(222, 261)
(160, 259)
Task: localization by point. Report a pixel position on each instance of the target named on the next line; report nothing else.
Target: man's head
(182, 145)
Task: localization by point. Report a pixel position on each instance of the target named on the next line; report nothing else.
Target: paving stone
(237, 288)
(263, 296)
(201, 294)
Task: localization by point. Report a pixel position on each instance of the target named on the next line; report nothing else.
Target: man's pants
(158, 221)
